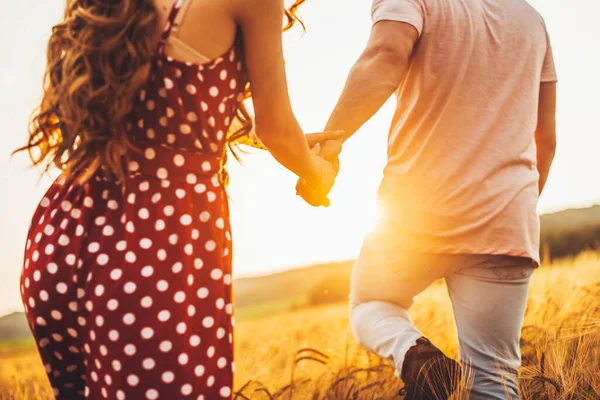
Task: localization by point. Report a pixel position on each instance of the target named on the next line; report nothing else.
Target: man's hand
(321, 137)
(315, 193)
(331, 146)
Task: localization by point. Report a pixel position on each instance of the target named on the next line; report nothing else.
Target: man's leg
(489, 303)
(383, 284)
(385, 329)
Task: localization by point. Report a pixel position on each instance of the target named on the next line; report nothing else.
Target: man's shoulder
(533, 11)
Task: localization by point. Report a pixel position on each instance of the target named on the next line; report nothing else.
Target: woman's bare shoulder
(245, 9)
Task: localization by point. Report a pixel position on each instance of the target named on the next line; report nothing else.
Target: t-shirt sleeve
(548, 68)
(407, 11)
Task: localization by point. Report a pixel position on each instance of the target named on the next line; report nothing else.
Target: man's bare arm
(375, 76)
(372, 80)
(545, 133)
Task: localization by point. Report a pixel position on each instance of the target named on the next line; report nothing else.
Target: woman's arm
(276, 127)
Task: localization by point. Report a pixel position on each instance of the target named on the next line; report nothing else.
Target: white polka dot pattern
(128, 290)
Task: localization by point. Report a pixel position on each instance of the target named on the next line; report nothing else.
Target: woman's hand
(315, 191)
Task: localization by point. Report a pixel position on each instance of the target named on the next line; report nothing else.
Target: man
(470, 149)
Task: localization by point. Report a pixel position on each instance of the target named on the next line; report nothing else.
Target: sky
(273, 229)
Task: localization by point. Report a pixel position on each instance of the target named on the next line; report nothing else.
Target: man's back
(461, 174)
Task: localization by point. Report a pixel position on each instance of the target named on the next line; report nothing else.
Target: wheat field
(310, 354)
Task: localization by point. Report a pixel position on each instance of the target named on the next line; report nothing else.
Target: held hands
(331, 146)
(325, 147)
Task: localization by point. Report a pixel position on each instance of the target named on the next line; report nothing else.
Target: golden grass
(560, 345)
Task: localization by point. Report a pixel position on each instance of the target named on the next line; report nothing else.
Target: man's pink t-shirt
(461, 174)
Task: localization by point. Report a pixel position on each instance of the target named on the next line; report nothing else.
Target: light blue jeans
(488, 294)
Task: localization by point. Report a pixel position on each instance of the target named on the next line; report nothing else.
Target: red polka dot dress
(127, 288)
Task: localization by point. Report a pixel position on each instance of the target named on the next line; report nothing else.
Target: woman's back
(185, 105)
(206, 27)
(118, 276)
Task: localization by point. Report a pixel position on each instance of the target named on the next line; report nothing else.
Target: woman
(127, 274)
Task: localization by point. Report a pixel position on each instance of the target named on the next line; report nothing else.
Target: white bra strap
(180, 16)
(175, 46)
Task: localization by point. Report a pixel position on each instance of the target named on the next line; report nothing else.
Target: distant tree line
(569, 243)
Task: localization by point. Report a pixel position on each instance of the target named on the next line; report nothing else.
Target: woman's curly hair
(98, 58)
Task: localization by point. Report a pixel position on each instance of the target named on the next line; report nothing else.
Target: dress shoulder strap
(171, 21)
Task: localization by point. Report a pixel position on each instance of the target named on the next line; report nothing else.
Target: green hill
(571, 220)
(569, 232)
(13, 327)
